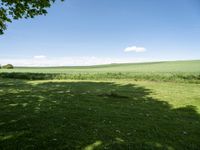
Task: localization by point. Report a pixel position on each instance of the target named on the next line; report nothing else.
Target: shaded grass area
(92, 115)
(167, 77)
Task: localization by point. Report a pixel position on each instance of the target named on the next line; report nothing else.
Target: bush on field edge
(8, 66)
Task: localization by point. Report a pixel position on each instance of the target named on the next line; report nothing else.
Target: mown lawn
(92, 115)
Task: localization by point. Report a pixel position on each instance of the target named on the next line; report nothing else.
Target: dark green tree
(16, 9)
(8, 66)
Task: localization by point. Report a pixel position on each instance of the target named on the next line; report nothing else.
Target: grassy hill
(184, 71)
(171, 66)
(102, 107)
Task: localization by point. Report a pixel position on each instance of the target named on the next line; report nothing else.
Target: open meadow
(119, 106)
(175, 71)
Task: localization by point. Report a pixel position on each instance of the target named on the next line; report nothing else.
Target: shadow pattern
(92, 115)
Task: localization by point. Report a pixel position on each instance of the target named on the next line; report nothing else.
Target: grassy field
(178, 71)
(154, 67)
(101, 111)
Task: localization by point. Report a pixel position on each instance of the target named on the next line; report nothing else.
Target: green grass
(88, 115)
(155, 67)
(120, 106)
(177, 71)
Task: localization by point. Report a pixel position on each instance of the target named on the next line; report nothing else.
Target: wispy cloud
(135, 49)
(67, 61)
(39, 57)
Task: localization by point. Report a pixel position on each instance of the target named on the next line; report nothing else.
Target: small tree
(8, 66)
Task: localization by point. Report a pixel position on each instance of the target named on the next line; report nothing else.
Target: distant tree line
(8, 66)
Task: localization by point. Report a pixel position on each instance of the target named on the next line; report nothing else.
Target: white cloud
(135, 49)
(67, 61)
(39, 57)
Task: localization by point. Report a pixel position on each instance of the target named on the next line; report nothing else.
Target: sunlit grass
(178, 71)
(117, 114)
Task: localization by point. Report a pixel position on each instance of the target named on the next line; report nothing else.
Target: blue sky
(90, 32)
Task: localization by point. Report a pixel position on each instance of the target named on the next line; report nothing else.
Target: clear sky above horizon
(77, 32)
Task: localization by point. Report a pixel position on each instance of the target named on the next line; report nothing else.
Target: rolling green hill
(179, 71)
(101, 107)
(155, 67)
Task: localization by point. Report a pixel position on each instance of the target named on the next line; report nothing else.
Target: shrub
(8, 66)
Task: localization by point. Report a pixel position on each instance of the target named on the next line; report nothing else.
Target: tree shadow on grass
(92, 115)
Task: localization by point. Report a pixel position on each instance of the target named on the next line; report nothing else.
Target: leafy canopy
(17, 9)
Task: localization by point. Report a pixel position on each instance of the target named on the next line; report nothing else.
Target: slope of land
(105, 107)
(170, 66)
(178, 71)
